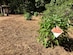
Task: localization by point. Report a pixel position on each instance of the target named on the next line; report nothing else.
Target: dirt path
(19, 37)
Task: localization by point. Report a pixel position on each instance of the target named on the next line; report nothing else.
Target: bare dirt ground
(19, 37)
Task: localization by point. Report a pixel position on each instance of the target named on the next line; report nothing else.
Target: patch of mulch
(19, 37)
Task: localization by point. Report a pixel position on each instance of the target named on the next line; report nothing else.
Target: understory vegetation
(58, 13)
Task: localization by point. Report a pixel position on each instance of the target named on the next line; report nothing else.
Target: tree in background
(15, 5)
(31, 6)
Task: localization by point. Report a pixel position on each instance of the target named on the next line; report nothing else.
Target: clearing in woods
(19, 37)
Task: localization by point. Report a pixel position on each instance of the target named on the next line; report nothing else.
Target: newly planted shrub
(35, 13)
(46, 36)
(27, 16)
(58, 13)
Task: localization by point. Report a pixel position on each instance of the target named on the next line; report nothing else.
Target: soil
(19, 37)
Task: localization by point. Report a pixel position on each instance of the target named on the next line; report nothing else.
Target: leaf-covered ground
(19, 37)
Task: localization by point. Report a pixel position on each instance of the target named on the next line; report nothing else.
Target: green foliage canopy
(18, 6)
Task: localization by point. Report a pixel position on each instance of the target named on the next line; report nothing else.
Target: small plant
(27, 16)
(35, 13)
(58, 13)
(46, 36)
(1, 14)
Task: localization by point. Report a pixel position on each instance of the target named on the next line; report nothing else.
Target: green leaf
(56, 42)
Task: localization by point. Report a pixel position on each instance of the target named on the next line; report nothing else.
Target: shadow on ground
(67, 43)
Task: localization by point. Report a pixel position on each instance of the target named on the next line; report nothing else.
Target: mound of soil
(19, 37)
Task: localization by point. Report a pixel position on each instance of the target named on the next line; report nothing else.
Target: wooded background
(19, 6)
